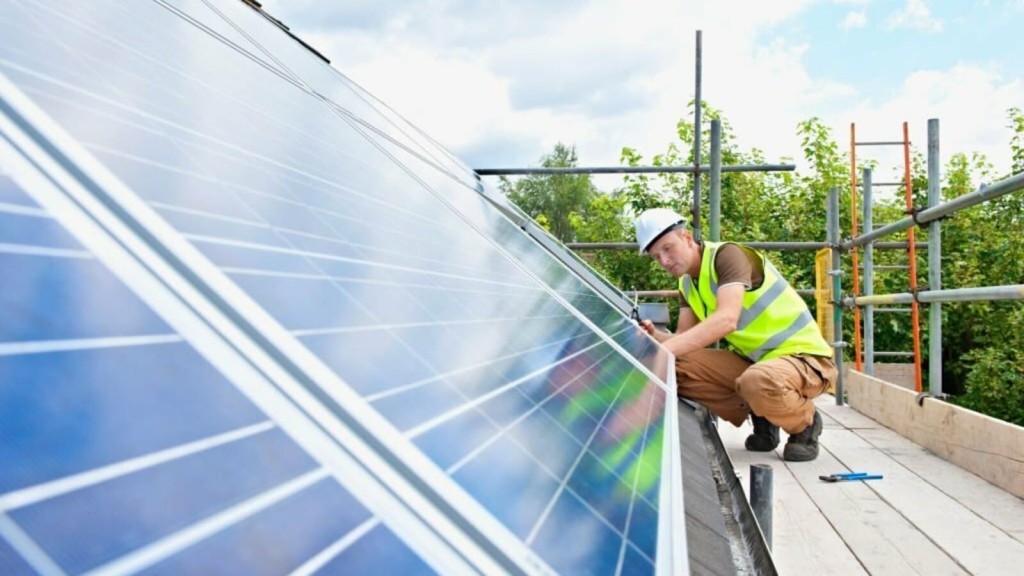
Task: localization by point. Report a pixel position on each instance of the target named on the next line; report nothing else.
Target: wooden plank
(844, 416)
(974, 542)
(804, 541)
(881, 538)
(1002, 509)
(926, 516)
(985, 446)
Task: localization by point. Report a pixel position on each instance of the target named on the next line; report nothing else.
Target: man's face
(673, 253)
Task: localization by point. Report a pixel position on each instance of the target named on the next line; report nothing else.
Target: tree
(981, 246)
(1016, 124)
(553, 201)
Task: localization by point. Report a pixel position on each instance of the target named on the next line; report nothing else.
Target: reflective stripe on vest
(774, 320)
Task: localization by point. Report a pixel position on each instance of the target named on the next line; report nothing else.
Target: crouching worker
(777, 362)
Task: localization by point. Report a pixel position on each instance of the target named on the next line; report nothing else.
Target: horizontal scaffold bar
(631, 170)
(779, 246)
(1009, 292)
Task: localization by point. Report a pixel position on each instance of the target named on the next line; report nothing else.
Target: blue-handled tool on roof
(850, 476)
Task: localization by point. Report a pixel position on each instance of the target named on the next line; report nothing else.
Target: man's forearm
(701, 335)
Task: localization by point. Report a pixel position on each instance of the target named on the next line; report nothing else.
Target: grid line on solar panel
(637, 474)
(439, 323)
(460, 288)
(60, 486)
(190, 535)
(503, 431)
(477, 401)
(378, 216)
(609, 470)
(563, 486)
(450, 249)
(417, 139)
(323, 256)
(48, 346)
(349, 220)
(463, 369)
(29, 250)
(316, 563)
(23, 210)
(581, 500)
(553, 474)
(28, 548)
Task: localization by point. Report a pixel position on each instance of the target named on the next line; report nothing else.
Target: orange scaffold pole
(912, 253)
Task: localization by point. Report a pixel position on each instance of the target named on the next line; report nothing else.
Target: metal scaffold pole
(695, 209)
(869, 277)
(934, 263)
(832, 219)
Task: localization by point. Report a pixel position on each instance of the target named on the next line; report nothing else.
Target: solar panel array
(255, 322)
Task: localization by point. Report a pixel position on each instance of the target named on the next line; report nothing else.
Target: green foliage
(1016, 124)
(553, 201)
(995, 375)
(982, 246)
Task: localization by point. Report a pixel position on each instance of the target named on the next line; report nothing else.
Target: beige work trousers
(780, 389)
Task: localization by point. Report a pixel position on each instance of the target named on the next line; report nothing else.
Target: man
(777, 361)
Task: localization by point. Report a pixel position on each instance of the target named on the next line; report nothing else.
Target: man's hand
(658, 335)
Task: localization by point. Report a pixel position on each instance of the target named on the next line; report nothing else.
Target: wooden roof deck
(926, 516)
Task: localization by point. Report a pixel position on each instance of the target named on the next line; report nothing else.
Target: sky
(500, 83)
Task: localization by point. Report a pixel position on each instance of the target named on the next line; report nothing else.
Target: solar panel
(294, 310)
(122, 447)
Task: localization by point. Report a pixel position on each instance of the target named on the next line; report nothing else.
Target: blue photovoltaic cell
(77, 299)
(286, 54)
(126, 514)
(132, 390)
(372, 246)
(328, 514)
(78, 410)
(11, 562)
(375, 554)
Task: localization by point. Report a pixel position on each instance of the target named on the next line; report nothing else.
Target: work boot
(765, 437)
(803, 447)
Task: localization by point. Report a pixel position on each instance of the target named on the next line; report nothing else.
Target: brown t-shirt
(736, 264)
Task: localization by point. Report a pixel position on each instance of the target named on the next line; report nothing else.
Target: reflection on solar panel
(254, 322)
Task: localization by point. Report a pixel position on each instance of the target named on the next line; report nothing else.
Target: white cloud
(853, 2)
(759, 78)
(499, 84)
(915, 15)
(969, 101)
(501, 89)
(854, 20)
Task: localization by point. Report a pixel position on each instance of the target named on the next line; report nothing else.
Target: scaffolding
(868, 240)
(864, 355)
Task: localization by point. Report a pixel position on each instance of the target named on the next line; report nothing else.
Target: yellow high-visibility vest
(774, 321)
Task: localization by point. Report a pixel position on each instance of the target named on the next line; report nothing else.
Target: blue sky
(499, 83)
(868, 45)
(875, 45)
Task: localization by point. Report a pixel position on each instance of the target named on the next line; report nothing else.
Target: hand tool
(850, 476)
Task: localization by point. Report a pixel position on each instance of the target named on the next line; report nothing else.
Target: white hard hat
(654, 223)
